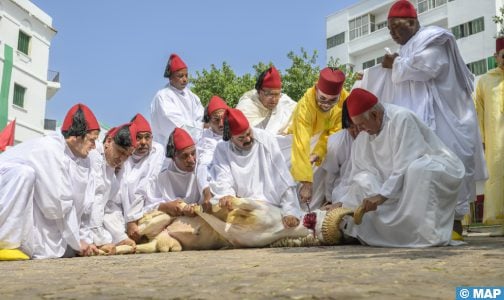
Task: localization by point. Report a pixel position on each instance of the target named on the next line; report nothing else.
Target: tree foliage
(222, 82)
(499, 20)
(301, 75)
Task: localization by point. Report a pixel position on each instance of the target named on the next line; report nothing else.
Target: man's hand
(332, 206)
(188, 210)
(290, 221)
(388, 60)
(371, 204)
(226, 201)
(128, 242)
(313, 158)
(87, 249)
(132, 231)
(305, 192)
(207, 196)
(109, 249)
(173, 208)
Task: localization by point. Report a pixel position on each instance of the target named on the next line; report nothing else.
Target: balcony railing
(53, 76)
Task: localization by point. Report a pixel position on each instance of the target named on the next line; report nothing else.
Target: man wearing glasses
(490, 109)
(317, 115)
(266, 107)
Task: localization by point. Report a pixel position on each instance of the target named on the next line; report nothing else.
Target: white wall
(29, 71)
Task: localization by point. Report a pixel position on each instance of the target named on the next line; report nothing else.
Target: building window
(379, 60)
(381, 25)
(23, 42)
(336, 40)
(362, 25)
(19, 94)
(425, 5)
(368, 64)
(469, 28)
(491, 62)
(478, 67)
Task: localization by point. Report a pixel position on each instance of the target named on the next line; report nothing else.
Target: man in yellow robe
(317, 115)
(489, 101)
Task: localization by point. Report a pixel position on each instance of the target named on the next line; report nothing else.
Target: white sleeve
(423, 66)
(222, 182)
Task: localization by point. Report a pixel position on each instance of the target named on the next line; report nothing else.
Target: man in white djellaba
(176, 105)
(144, 164)
(429, 77)
(265, 106)
(404, 178)
(177, 183)
(205, 147)
(45, 188)
(248, 164)
(108, 159)
(337, 163)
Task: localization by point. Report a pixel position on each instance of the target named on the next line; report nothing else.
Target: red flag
(7, 136)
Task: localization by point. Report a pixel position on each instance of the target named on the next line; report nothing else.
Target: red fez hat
(182, 139)
(402, 9)
(132, 131)
(331, 81)
(272, 79)
(91, 122)
(237, 121)
(176, 63)
(141, 123)
(499, 44)
(360, 101)
(216, 103)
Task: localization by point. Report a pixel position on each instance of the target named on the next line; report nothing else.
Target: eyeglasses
(323, 100)
(271, 94)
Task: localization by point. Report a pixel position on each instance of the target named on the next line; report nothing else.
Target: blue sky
(111, 54)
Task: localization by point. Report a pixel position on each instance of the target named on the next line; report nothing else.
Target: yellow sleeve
(301, 168)
(321, 147)
(479, 103)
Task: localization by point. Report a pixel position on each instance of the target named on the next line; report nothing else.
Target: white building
(26, 82)
(358, 34)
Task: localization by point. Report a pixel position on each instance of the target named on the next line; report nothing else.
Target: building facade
(358, 34)
(26, 81)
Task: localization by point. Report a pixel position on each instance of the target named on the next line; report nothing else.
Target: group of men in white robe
(388, 162)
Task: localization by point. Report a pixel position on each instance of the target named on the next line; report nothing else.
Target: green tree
(499, 20)
(222, 82)
(302, 74)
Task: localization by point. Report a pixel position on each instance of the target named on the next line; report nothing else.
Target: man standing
(429, 77)
(403, 176)
(490, 109)
(317, 115)
(45, 188)
(265, 106)
(248, 164)
(175, 105)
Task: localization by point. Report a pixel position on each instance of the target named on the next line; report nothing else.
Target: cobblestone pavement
(342, 272)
